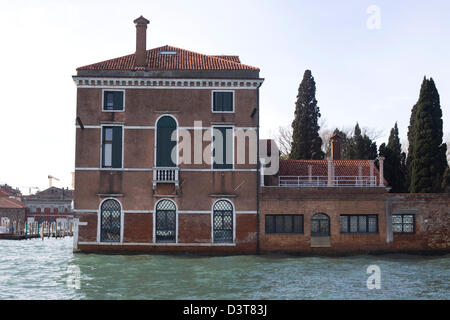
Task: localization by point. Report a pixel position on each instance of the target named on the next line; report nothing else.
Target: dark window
(110, 221)
(284, 223)
(223, 101)
(166, 126)
(320, 225)
(359, 223)
(223, 222)
(222, 148)
(166, 221)
(403, 223)
(112, 147)
(113, 100)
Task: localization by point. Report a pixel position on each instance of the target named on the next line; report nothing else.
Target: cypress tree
(427, 161)
(394, 164)
(361, 146)
(306, 142)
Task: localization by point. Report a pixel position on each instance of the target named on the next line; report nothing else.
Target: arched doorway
(320, 225)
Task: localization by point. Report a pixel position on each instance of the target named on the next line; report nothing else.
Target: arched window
(320, 225)
(223, 222)
(166, 221)
(110, 221)
(166, 125)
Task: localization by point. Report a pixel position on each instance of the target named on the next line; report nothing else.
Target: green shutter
(117, 147)
(227, 101)
(227, 149)
(164, 144)
(217, 102)
(118, 100)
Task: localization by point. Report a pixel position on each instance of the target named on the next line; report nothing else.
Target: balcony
(166, 175)
(323, 181)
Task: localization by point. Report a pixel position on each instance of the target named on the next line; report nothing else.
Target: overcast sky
(366, 70)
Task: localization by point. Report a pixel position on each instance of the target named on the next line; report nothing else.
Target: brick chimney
(141, 43)
(335, 147)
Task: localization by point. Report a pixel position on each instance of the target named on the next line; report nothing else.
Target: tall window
(223, 101)
(222, 148)
(112, 147)
(403, 223)
(223, 222)
(359, 223)
(113, 100)
(166, 221)
(284, 223)
(320, 225)
(164, 145)
(110, 221)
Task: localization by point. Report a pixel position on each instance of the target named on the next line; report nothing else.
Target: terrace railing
(322, 181)
(165, 175)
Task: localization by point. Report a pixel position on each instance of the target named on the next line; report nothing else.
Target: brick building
(167, 160)
(52, 204)
(130, 193)
(12, 210)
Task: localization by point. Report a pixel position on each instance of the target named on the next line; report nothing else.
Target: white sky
(369, 76)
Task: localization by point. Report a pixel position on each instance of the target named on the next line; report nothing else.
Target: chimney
(141, 43)
(335, 147)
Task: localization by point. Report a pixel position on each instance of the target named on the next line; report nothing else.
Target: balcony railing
(165, 175)
(322, 181)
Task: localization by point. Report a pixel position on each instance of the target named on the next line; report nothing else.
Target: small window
(359, 223)
(223, 101)
(284, 223)
(222, 151)
(403, 223)
(113, 100)
(61, 209)
(112, 147)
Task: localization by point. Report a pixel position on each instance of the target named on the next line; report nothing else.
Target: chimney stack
(141, 43)
(335, 147)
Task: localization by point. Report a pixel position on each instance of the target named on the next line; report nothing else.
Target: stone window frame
(403, 223)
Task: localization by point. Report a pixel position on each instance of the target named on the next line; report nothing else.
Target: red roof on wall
(182, 60)
(8, 203)
(320, 167)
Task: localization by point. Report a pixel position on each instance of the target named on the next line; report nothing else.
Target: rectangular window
(112, 147)
(222, 151)
(284, 223)
(359, 223)
(403, 223)
(223, 101)
(113, 100)
(32, 209)
(61, 209)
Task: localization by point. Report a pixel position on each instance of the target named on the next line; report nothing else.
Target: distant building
(12, 211)
(49, 205)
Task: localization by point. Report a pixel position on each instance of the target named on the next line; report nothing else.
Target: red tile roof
(182, 60)
(349, 168)
(9, 203)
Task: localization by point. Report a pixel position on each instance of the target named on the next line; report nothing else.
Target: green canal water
(32, 269)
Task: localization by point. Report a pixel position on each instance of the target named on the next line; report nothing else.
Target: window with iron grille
(110, 221)
(403, 223)
(359, 223)
(113, 100)
(320, 225)
(223, 222)
(284, 223)
(166, 221)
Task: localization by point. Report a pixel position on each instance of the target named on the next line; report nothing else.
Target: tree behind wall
(306, 142)
(427, 154)
(361, 146)
(394, 164)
